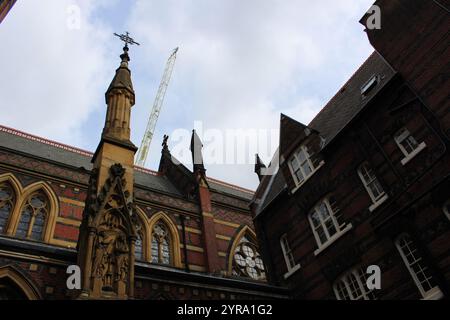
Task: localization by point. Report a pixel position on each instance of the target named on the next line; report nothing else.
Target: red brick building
(367, 181)
(176, 234)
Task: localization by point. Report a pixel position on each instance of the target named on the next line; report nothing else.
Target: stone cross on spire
(126, 38)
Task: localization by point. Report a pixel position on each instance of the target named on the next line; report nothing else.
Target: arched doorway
(10, 291)
(15, 286)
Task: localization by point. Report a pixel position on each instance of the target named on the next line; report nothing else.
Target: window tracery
(33, 217)
(247, 261)
(161, 244)
(7, 201)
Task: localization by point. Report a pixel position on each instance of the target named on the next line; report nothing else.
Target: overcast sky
(240, 64)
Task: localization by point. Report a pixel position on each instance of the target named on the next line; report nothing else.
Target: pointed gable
(180, 176)
(292, 133)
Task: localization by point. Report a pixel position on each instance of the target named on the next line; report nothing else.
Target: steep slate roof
(56, 152)
(276, 186)
(348, 100)
(230, 189)
(339, 111)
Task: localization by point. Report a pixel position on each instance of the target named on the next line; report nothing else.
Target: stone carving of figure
(111, 252)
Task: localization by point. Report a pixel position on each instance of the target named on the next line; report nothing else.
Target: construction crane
(157, 104)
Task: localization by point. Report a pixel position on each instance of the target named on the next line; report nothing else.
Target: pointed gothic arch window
(245, 260)
(28, 213)
(163, 241)
(7, 201)
(139, 246)
(161, 244)
(142, 246)
(33, 216)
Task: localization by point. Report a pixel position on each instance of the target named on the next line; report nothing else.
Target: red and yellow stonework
(176, 233)
(203, 220)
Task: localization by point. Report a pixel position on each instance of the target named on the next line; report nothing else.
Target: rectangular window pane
(301, 165)
(376, 189)
(410, 144)
(315, 219)
(289, 258)
(322, 235)
(306, 169)
(299, 175)
(301, 156)
(330, 227)
(352, 286)
(323, 211)
(370, 182)
(324, 222)
(406, 141)
(419, 271)
(295, 165)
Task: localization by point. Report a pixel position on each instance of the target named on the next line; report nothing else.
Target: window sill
(378, 203)
(292, 271)
(434, 294)
(333, 239)
(312, 173)
(410, 156)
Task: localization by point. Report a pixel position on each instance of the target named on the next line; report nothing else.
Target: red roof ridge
(233, 186)
(146, 170)
(45, 141)
(342, 87)
(61, 145)
(90, 154)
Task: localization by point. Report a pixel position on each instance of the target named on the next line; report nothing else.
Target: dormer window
(301, 165)
(369, 85)
(408, 145)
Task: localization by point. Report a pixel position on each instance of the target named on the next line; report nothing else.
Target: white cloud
(53, 76)
(241, 63)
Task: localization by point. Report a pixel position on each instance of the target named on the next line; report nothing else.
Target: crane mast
(157, 104)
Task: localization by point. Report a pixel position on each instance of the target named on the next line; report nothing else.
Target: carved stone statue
(112, 232)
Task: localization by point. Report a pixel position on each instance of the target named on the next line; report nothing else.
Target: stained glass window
(138, 248)
(161, 242)
(6, 205)
(247, 261)
(33, 216)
